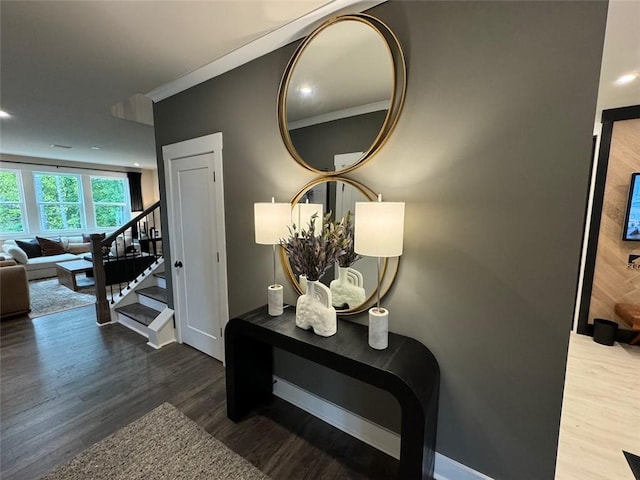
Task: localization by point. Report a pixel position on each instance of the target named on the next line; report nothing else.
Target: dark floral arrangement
(312, 254)
(344, 230)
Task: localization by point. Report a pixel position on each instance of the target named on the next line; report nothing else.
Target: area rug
(163, 444)
(48, 296)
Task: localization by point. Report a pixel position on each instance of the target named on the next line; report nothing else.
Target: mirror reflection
(338, 94)
(352, 284)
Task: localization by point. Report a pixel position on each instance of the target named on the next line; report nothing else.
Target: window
(11, 202)
(110, 201)
(46, 199)
(59, 200)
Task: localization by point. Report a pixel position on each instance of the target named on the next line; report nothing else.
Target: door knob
(178, 264)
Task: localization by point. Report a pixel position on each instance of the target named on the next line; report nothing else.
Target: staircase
(142, 307)
(128, 267)
(119, 258)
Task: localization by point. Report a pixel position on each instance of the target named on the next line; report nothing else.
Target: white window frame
(30, 208)
(20, 203)
(80, 203)
(126, 204)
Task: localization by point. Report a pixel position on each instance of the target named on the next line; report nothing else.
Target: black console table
(406, 369)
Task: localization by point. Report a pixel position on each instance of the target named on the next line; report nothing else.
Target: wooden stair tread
(138, 312)
(155, 292)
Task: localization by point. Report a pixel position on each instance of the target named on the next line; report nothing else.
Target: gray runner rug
(163, 444)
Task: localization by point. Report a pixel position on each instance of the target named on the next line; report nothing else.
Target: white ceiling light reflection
(628, 78)
(306, 91)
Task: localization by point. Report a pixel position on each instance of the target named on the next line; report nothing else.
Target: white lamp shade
(302, 213)
(379, 229)
(272, 222)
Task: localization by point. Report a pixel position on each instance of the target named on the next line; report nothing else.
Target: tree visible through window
(11, 218)
(109, 201)
(59, 200)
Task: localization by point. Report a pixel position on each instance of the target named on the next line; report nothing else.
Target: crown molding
(337, 115)
(273, 40)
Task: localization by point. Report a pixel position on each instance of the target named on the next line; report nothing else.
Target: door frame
(206, 144)
(609, 117)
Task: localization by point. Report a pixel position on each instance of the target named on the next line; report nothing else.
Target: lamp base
(275, 300)
(378, 328)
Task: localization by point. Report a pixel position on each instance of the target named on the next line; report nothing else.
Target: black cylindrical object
(604, 331)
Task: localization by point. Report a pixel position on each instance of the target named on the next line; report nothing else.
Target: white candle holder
(275, 300)
(378, 328)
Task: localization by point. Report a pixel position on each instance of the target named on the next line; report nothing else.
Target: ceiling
(65, 64)
(347, 65)
(621, 56)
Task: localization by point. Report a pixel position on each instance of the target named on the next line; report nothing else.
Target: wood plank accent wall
(613, 281)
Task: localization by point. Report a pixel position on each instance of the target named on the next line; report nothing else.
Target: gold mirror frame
(389, 265)
(397, 95)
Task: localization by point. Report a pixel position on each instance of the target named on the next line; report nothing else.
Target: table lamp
(378, 232)
(271, 225)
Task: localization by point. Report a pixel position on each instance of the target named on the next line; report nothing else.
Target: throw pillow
(77, 248)
(17, 253)
(50, 247)
(31, 248)
(118, 248)
(86, 237)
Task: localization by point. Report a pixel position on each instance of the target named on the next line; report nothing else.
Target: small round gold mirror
(339, 195)
(342, 91)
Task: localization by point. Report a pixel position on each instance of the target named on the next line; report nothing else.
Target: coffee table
(67, 272)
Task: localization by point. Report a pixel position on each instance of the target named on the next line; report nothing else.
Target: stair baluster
(115, 268)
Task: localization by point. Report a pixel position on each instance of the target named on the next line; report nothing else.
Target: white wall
(150, 191)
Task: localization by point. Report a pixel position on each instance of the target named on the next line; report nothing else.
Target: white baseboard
(448, 469)
(370, 433)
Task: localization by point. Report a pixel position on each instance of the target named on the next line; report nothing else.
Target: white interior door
(344, 160)
(195, 199)
(346, 198)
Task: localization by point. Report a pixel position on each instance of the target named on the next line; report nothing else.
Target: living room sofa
(45, 266)
(72, 248)
(14, 289)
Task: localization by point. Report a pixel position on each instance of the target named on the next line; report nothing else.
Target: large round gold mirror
(339, 195)
(342, 93)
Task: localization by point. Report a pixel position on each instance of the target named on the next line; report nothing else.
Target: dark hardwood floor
(67, 383)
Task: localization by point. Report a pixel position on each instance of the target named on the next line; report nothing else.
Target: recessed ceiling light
(136, 164)
(4, 114)
(95, 148)
(306, 91)
(628, 78)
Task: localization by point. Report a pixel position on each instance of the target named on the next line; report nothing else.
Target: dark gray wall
(491, 156)
(351, 134)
